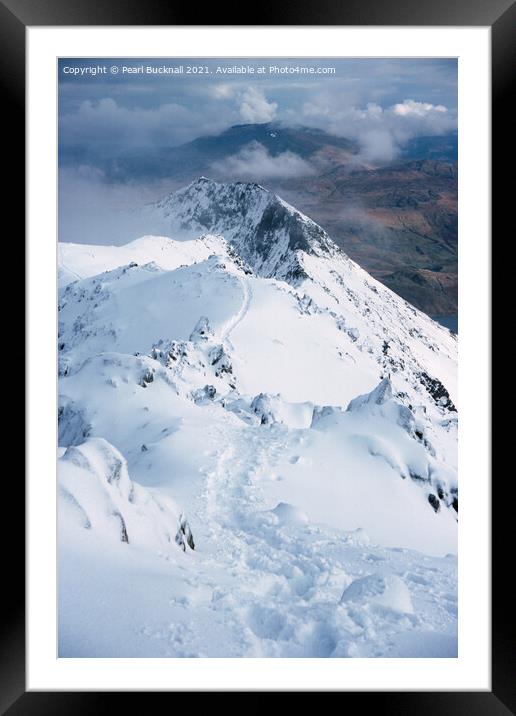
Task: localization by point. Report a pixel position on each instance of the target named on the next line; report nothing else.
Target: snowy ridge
(264, 230)
(78, 261)
(302, 415)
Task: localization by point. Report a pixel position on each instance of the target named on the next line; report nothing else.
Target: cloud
(221, 91)
(419, 109)
(378, 145)
(254, 107)
(104, 117)
(254, 162)
(380, 132)
(104, 127)
(93, 210)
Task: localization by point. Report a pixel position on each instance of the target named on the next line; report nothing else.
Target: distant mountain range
(397, 220)
(187, 161)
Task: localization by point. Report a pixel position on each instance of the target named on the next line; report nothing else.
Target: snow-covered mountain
(264, 230)
(283, 411)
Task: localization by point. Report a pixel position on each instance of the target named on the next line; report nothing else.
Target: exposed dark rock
(73, 427)
(434, 501)
(455, 502)
(220, 360)
(438, 392)
(146, 378)
(184, 533)
(202, 395)
(202, 330)
(123, 530)
(417, 478)
(114, 466)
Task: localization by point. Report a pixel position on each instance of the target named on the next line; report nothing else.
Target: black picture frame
(15, 17)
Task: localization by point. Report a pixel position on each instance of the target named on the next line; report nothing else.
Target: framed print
(258, 300)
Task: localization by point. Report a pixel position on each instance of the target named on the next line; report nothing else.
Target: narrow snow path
(233, 322)
(283, 580)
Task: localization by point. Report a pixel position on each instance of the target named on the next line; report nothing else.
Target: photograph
(257, 352)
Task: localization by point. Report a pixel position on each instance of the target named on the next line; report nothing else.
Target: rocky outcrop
(97, 494)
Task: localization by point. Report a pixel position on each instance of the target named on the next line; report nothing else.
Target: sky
(111, 108)
(101, 114)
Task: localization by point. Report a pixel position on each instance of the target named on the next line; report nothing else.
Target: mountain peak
(267, 232)
(204, 182)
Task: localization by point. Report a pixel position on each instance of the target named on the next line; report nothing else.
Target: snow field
(257, 446)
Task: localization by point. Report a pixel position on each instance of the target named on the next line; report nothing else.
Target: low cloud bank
(254, 162)
(381, 133)
(94, 211)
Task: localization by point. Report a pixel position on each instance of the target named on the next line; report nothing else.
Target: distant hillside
(399, 222)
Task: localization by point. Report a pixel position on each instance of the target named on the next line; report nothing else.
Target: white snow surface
(258, 445)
